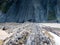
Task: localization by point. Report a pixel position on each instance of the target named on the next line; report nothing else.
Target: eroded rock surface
(27, 34)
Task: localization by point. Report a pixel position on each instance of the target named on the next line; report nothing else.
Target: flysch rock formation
(26, 34)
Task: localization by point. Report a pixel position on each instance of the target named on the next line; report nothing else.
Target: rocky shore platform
(28, 34)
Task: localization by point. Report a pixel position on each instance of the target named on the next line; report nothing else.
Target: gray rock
(29, 35)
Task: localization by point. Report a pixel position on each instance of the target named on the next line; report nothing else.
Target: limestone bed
(25, 34)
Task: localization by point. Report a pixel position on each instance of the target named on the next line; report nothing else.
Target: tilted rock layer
(28, 34)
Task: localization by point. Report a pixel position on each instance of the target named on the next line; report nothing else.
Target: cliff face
(31, 10)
